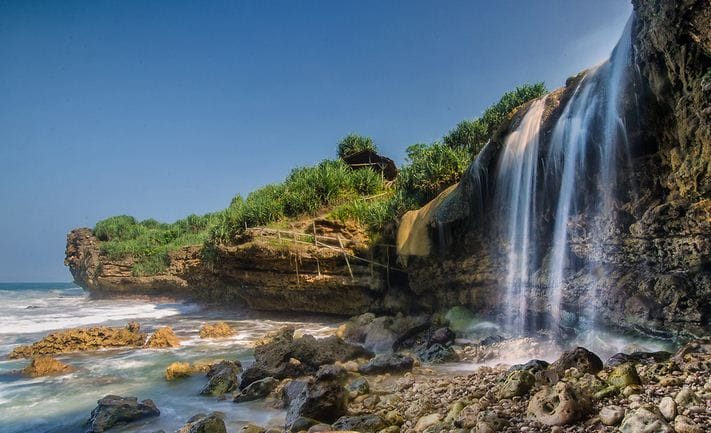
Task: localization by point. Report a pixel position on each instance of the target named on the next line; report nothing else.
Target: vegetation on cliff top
(330, 187)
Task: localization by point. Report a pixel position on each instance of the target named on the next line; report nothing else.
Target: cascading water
(579, 173)
(516, 183)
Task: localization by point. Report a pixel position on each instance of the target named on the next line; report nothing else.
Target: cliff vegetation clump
(330, 189)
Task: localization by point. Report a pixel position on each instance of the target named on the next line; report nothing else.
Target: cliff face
(649, 256)
(256, 274)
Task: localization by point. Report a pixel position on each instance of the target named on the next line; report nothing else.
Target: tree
(354, 143)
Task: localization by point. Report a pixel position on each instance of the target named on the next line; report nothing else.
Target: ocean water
(60, 404)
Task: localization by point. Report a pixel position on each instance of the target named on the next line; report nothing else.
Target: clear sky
(162, 109)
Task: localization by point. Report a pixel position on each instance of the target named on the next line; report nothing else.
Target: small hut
(369, 159)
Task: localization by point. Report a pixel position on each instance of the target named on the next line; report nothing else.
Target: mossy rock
(624, 375)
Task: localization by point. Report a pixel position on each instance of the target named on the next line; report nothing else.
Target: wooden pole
(345, 256)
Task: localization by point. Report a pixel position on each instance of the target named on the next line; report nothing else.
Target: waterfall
(516, 182)
(578, 175)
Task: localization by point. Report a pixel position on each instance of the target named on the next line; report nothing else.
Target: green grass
(150, 242)
(308, 191)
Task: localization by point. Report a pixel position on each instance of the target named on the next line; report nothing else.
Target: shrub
(118, 228)
(371, 213)
(354, 143)
(430, 170)
(474, 134)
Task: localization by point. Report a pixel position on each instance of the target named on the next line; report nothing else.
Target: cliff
(262, 273)
(644, 263)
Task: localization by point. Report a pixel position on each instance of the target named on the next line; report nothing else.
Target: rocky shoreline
(393, 374)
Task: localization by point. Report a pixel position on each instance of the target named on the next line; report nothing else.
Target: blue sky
(162, 109)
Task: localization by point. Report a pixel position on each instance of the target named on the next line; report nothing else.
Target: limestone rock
(256, 390)
(113, 410)
(667, 407)
(387, 363)
(163, 338)
(517, 383)
(178, 370)
(684, 424)
(82, 339)
(216, 330)
(201, 423)
(427, 421)
(324, 401)
(467, 418)
(436, 354)
(361, 423)
(624, 375)
(358, 386)
(611, 415)
(275, 358)
(223, 378)
(686, 397)
(45, 366)
(559, 405)
(645, 419)
(580, 358)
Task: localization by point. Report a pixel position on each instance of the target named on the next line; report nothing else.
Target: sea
(62, 404)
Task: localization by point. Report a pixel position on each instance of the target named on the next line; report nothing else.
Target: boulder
(179, 370)
(358, 386)
(611, 415)
(645, 419)
(82, 339)
(532, 366)
(361, 423)
(467, 417)
(331, 372)
(437, 354)
(223, 378)
(323, 401)
(113, 410)
(638, 358)
(442, 335)
(285, 356)
(256, 390)
(388, 333)
(427, 421)
(580, 358)
(216, 330)
(558, 405)
(201, 423)
(45, 366)
(163, 338)
(684, 424)
(518, 383)
(387, 363)
(667, 407)
(624, 375)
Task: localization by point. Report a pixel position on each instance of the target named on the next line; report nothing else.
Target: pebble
(668, 408)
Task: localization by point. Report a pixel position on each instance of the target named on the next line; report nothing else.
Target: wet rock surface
(113, 410)
(285, 356)
(223, 378)
(163, 338)
(387, 363)
(46, 366)
(323, 401)
(216, 330)
(83, 339)
(257, 390)
(202, 423)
